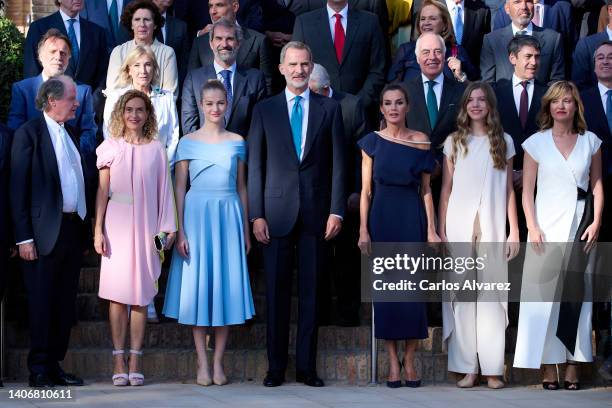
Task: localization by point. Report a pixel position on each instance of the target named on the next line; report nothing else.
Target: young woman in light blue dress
(209, 284)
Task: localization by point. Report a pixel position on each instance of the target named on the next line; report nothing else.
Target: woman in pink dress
(134, 203)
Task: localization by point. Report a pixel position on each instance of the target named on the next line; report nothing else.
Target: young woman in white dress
(476, 198)
(564, 158)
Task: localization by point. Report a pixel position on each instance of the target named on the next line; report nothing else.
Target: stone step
(350, 367)
(170, 335)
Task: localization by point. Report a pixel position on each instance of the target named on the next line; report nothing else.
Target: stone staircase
(343, 352)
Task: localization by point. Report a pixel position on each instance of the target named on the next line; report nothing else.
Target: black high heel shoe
(398, 383)
(569, 385)
(411, 383)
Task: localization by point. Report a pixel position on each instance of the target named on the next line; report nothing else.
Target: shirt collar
(602, 89)
(343, 13)
(219, 68)
(528, 29)
(53, 125)
(290, 95)
(439, 79)
(516, 81)
(66, 17)
(450, 4)
(331, 92)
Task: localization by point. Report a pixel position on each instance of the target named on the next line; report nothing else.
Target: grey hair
(296, 45)
(52, 88)
(417, 48)
(320, 76)
(224, 22)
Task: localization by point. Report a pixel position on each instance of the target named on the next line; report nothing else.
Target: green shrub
(11, 62)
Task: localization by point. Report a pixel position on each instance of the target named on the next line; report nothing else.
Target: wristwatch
(462, 78)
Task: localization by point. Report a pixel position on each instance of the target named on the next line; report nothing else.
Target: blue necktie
(296, 126)
(113, 17)
(226, 74)
(458, 24)
(432, 104)
(73, 42)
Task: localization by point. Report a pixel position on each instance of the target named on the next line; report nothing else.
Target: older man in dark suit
(494, 63)
(345, 260)
(350, 44)
(519, 100)
(89, 59)
(245, 86)
(48, 205)
(296, 202)
(253, 52)
(583, 68)
(434, 98)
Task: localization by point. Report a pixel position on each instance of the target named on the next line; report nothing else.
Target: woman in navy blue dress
(397, 206)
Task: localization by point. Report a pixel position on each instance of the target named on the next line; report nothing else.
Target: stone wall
(23, 12)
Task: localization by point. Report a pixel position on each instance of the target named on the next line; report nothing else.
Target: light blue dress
(211, 287)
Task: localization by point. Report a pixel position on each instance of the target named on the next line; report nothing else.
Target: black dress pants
(51, 284)
(278, 266)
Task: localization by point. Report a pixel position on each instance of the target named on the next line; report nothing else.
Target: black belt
(581, 194)
(72, 216)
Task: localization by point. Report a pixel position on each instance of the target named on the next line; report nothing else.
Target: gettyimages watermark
(487, 272)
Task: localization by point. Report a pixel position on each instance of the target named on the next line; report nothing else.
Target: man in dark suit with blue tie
(494, 63)
(583, 72)
(107, 15)
(89, 59)
(245, 86)
(48, 205)
(296, 202)
(54, 53)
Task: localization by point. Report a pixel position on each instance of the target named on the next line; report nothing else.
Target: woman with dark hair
(142, 19)
(565, 159)
(209, 285)
(433, 17)
(134, 204)
(397, 206)
(476, 199)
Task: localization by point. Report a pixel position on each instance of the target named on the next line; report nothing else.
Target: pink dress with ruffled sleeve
(141, 204)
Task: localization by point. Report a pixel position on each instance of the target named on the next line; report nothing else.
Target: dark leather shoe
(40, 381)
(273, 380)
(66, 379)
(310, 379)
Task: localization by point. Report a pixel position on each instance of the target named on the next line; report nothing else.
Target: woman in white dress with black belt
(476, 199)
(566, 161)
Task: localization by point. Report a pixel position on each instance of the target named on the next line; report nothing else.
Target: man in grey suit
(494, 62)
(106, 15)
(345, 260)
(245, 86)
(253, 51)
(350, 44)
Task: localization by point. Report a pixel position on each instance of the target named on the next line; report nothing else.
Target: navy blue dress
(397, 214)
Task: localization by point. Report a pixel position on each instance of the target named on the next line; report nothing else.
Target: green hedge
(11, 62)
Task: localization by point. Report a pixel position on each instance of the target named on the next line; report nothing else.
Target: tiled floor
(248, 395)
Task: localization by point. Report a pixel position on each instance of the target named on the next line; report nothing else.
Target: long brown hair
(117, 125)
(495, 132)
(556, 91)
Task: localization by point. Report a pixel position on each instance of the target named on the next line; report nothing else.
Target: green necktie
(432, 104)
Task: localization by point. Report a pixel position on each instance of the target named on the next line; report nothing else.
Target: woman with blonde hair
(140, 71)
(433, 17)
(476, 199)
(565, 161)
(134, 204)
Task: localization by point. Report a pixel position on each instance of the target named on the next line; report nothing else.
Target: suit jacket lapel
(316, 116)
(352, 29)
(239, 84)
(533, 111)
(84, 47)
(447, 91)
(327, 41)
(245, 47)
(284, 126)
(420, 102)
(49, 152)
(470, 20)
